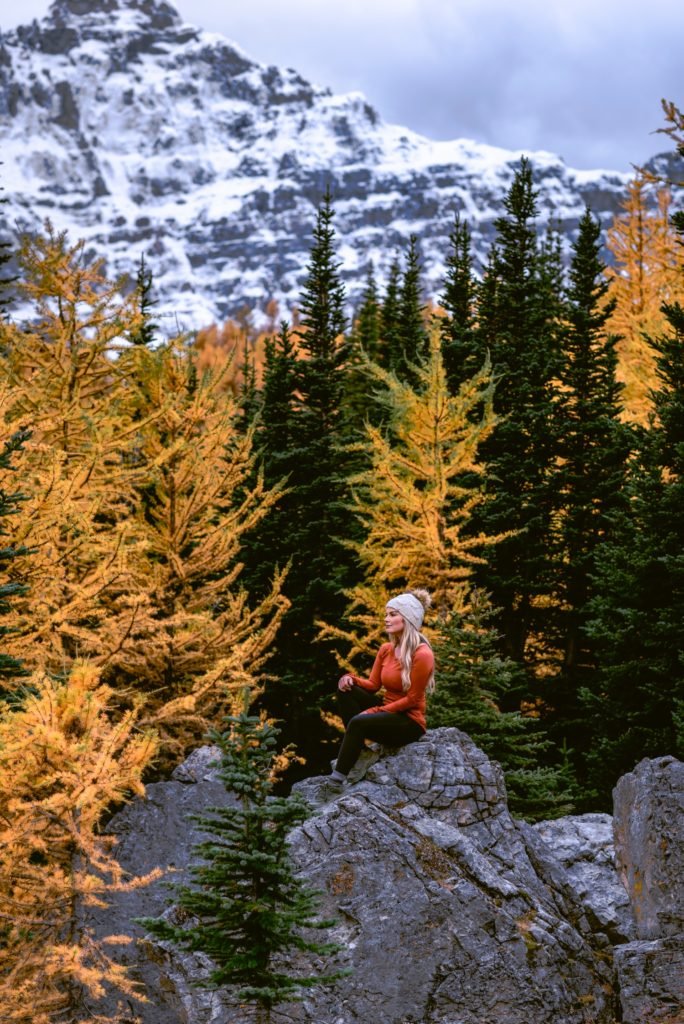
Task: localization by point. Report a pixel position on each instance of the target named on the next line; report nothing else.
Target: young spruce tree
(390, 344)
(249, 910)
(412, 335)
(460, 349)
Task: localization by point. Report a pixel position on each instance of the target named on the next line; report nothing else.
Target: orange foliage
(646, 273)
(62, 763)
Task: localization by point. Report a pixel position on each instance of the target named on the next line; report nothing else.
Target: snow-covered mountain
(143, 134)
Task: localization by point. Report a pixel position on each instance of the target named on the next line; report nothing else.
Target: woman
(405, 668)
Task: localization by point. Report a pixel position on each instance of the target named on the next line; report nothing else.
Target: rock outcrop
(649, 845)
(447, 909)
(584, 845)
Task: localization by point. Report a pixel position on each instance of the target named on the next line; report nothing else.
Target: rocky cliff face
(448, 911)
(649, 840)
(144, 134)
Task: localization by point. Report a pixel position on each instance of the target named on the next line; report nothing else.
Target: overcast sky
(582, 78)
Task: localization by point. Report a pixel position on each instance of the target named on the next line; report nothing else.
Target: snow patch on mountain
(142, 134)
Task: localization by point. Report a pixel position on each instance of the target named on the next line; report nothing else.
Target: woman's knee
(357, 723)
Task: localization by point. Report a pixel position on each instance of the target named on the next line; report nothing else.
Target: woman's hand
(373, 711)
(346, 682)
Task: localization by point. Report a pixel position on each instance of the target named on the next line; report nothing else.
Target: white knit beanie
(409, 607)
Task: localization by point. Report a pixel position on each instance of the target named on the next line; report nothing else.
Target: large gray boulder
(649, 839)
(157, 832)
(649, 844)
(583, 843)
(448, 911)
(651, 977)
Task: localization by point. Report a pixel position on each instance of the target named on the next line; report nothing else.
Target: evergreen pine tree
(368, 324)
(248, 399)
(413, 339)
(249, 909)
(364, 342)
(460, 350)
(11, 500)
(145, 331)
(390, 345)
(473, 679)
(590, 477)
(517, 325)
(266, 549)
(636, 702)
(313, 538)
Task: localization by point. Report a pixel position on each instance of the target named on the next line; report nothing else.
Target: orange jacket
(387, 672)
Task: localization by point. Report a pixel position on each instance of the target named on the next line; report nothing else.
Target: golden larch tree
(195, 641)
(63, 762)
(61, 379)
(418, 492)
(646, 272)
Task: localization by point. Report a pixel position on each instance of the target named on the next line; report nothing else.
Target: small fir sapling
(249, 912)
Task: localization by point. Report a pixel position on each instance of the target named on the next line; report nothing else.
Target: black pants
(393, 730)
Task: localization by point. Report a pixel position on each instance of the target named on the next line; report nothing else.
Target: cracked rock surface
(583, 843)
(649, 845)
(447, 910)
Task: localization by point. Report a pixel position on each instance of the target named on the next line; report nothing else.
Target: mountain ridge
(130, 128)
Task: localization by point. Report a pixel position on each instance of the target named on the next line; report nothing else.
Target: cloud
(583, 78)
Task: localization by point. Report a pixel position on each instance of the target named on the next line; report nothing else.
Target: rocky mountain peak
(153, 14)
(145, 135)
(129, 26)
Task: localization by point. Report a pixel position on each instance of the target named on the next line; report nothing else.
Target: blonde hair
(406, 646)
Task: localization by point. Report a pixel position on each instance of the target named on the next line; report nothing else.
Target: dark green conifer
(266, 547)
(390, 344)
(368, 323)
(144, 285)
(276, 437)
(636, 701)
(518, 326)
(593, 448)
(413, 338)
(249, 912)
(461, 351)
(364, 341)
(249, 402)
(313, 534)
(473, 681)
